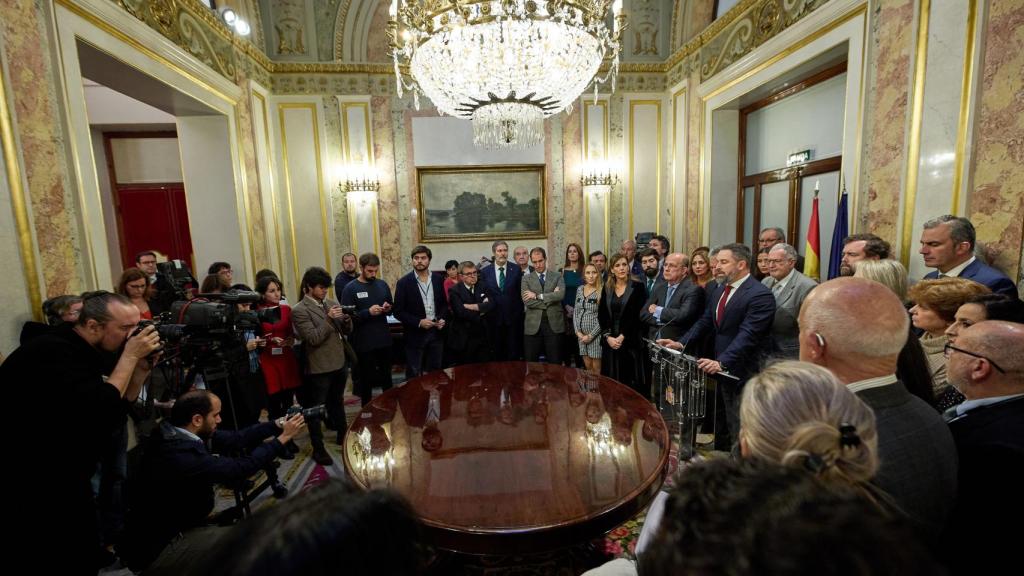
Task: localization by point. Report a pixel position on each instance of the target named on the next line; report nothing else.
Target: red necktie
(721, 304)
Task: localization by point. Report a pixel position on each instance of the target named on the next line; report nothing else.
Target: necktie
(671, 291)
(777, 288)
(501, 278)
(650, 285)
(721, 304)
(542, 280)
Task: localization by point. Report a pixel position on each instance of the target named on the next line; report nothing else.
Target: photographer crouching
(72, 387)
(167, 526)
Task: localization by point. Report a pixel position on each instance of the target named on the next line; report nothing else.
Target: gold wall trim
(91, 18)
(587, 104)
(22, 224)
(966, 92)
(270, 175)
(675, 160)
(657, 185)
(288, 186)
(914, 146)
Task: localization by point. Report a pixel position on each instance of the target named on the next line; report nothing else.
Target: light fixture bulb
(228, 15)
(242, 27)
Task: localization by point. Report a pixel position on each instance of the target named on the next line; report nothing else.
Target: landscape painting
(481, 202)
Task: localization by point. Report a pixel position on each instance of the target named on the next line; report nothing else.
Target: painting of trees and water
(481, 202)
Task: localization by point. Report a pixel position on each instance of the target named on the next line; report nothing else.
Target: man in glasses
(856, 328)
(987, 366)
(470, 305)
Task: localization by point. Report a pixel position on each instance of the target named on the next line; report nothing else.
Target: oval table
(511, 457)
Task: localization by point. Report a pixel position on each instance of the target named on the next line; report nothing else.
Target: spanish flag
(812, 251)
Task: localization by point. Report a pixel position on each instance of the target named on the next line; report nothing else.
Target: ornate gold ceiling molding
(197, 30)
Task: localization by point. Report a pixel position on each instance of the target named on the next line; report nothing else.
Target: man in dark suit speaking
(739, 315)
(947, 244)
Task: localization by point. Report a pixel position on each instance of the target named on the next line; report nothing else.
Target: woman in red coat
(280, 367)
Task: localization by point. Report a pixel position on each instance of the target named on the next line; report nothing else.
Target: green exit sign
(802, 157)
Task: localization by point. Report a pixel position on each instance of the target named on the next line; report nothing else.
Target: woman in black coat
(619, 314)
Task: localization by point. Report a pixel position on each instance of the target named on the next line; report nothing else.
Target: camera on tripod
(312, 413)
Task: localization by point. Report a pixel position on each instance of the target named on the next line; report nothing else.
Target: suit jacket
(508, 303)
(990, 444)
(677, 315)
(629, 323)
(320, 334)
(409, 308)
(916, 454)
(785, 332)
(743, 336)
(984, 274)
(468, 324)
(550, 305)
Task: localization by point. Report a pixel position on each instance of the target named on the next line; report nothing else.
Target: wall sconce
(360, 184)
(598, 178)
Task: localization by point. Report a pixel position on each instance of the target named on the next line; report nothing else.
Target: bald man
(856, 328)
(986, 365)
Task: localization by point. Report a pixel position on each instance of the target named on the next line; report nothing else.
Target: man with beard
(348, 273)
(859, 247)
(422, 308)
(178, 474)
(651, 268)
(77, 380)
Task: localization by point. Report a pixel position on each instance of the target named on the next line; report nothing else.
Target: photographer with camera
(322, 324)
(83, 373)
(167, 524)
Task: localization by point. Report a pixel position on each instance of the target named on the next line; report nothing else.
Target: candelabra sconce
(598, 179)
(359, 185)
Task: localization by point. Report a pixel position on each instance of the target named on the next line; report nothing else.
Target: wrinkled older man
(790, 287)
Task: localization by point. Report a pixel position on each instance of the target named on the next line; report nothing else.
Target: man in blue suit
(422, 308)
(739, 315)
(947, 244)
(502, 281)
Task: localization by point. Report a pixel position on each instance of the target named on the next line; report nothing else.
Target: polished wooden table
(511, 457)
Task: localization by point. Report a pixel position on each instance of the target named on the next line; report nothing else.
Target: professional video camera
(174, 281)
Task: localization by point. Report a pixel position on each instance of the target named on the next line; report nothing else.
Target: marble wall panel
(889, 62)
(36, 118)
(996, 205)
(391, 249)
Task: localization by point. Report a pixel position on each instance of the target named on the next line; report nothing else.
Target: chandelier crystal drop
(504, 64)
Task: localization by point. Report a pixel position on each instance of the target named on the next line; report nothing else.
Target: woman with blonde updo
(799, 414)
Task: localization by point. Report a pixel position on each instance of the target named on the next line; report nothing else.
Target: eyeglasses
(948, 347)
(470, 273)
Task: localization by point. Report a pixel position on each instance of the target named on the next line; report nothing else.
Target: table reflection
(491, 448)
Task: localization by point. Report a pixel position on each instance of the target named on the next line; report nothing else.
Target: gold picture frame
(464, 203)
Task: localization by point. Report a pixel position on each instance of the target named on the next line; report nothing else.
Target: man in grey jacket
(321, 324)
(856, 328)
(544, 323)
(790, 287)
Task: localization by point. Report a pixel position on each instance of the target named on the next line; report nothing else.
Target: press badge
(362, 294)
(276, 351)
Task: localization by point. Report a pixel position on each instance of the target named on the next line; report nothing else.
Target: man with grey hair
(947, 244)
(987, 366)
(856, 328)
(790, 287)
(502, 281)
(628, 249)
(738, 319)
(774, 235)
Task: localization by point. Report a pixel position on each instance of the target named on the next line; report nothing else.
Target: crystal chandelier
(505, 64)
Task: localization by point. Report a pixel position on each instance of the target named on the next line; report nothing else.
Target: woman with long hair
(700, 267)
(619, 317)
(134, 284)
(280, 366)
(585, 322)
(572, 274)
(761, 270)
